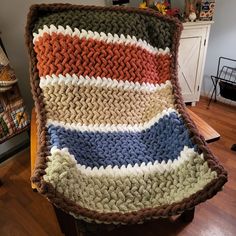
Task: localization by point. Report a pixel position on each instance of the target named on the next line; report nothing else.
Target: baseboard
(4, 156)
(220, 99)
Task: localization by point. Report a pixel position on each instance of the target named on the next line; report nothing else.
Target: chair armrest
(33, 142)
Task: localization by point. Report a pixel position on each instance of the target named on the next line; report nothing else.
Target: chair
(115, 143)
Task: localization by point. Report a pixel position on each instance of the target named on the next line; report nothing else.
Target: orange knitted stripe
(60, 54)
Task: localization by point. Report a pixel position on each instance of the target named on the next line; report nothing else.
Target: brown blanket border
(128, 218)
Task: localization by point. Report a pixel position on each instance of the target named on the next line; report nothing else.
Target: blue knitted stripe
(163, 141)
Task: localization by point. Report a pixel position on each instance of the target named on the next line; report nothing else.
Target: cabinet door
(190, 63)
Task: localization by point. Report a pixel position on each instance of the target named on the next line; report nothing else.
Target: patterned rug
(115, 142)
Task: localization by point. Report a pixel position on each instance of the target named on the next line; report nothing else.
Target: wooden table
(209, 134)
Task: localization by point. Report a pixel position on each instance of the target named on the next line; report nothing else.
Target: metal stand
(225, 73)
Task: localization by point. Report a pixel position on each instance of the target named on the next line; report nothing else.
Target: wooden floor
(24, 212)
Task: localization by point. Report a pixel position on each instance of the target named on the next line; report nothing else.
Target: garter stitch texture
(115, 142)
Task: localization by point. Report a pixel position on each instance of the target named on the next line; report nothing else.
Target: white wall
(13, 15)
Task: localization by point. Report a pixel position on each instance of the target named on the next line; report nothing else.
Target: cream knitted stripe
(112, 128)
(136, 170)
(107, 38)
(100, 82)
(89, 105)
(118, 192)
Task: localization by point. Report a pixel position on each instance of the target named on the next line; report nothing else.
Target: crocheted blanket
(115, 142)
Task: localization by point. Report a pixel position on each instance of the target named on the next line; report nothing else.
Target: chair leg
(187, 216)
(67, 223)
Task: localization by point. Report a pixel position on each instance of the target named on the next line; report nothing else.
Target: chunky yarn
(115, 142)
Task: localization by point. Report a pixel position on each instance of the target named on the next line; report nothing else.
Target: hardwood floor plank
(24, 212)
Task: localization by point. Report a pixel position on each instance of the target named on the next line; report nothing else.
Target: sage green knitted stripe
(127, 193)
(154, 31)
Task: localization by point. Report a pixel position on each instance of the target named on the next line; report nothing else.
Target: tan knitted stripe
(92, 105)
(131, 192)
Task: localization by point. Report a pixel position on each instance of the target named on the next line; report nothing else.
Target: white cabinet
(192, 55)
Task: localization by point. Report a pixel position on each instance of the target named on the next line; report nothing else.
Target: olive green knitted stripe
(154, 31)
(127, 193)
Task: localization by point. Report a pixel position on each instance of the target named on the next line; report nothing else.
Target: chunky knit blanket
(115, 142)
